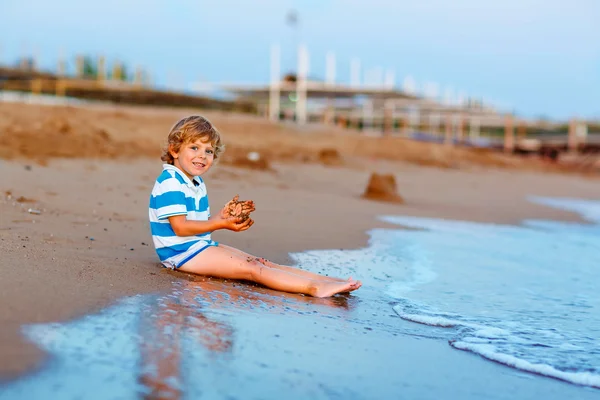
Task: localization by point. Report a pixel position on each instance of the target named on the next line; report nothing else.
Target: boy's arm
(184, 227)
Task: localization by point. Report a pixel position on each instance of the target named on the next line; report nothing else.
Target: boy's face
(194, 158)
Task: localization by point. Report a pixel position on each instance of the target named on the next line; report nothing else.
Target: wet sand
(90, 244)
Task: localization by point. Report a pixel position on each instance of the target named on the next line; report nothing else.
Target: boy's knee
(254, 270)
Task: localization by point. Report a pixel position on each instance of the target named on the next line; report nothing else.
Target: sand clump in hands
(239, 208)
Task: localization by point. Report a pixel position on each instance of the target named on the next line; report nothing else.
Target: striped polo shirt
(175, 194)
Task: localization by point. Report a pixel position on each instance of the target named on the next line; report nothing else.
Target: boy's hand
(237, 224)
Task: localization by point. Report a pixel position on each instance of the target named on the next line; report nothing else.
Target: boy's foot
(327, 289)
(357, 284)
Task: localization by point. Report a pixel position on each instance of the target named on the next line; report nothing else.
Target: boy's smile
(194, 158)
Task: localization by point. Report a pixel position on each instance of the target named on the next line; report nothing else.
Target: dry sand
(89, 172)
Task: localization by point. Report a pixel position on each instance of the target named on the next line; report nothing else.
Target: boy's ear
(172, 152)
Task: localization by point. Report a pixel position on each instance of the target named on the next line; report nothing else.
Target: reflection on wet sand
(179, 316)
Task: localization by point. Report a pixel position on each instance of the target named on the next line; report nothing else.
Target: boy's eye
(209, 151)
(194, 148)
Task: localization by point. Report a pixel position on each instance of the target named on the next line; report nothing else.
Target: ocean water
(526, 297)
(523, 299)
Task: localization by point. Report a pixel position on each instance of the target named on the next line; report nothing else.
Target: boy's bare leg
(286, 268)
(219, 262)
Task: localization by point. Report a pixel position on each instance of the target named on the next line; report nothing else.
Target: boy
(181, 222)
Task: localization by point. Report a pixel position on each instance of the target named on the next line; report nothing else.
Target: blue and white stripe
(175, 194)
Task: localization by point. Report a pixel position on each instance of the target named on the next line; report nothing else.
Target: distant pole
(35, 58)
(390, 78)
(302, 85)
(430, 90)
(368, 78)
(378, 77)
(329, 115)
(293, 21)
(330, 69)
(61, 67)
(355, 72)
(275, 90)
(509, 135)
(79, 62)
(138, 78)
(448, 98)
(409, 85)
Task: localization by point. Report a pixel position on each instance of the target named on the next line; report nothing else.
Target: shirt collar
(187, 180)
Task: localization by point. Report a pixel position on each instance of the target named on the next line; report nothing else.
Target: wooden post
(329, 113)
(521, 130)
(404, 125)
(367, 114)
(101, 71)
(36, 86)
(509, 135)
(414, 119)
(459, 128)
(434, 123)
(61, 87)
(581, 130)
(448, 131)
(117, 72)
(572, 141)
(388, 116)
(474, 127)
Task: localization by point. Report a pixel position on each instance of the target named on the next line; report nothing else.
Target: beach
(74, 236)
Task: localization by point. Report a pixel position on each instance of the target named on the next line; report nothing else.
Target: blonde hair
(188, 130)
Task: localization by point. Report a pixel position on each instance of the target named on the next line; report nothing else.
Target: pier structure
(380, 107)
(374, 107)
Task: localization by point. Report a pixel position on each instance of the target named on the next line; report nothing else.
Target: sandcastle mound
(330, 156)
(382, 187)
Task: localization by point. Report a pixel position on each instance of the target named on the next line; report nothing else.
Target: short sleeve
(169, 200)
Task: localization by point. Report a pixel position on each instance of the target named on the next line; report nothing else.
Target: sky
(534, 57)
